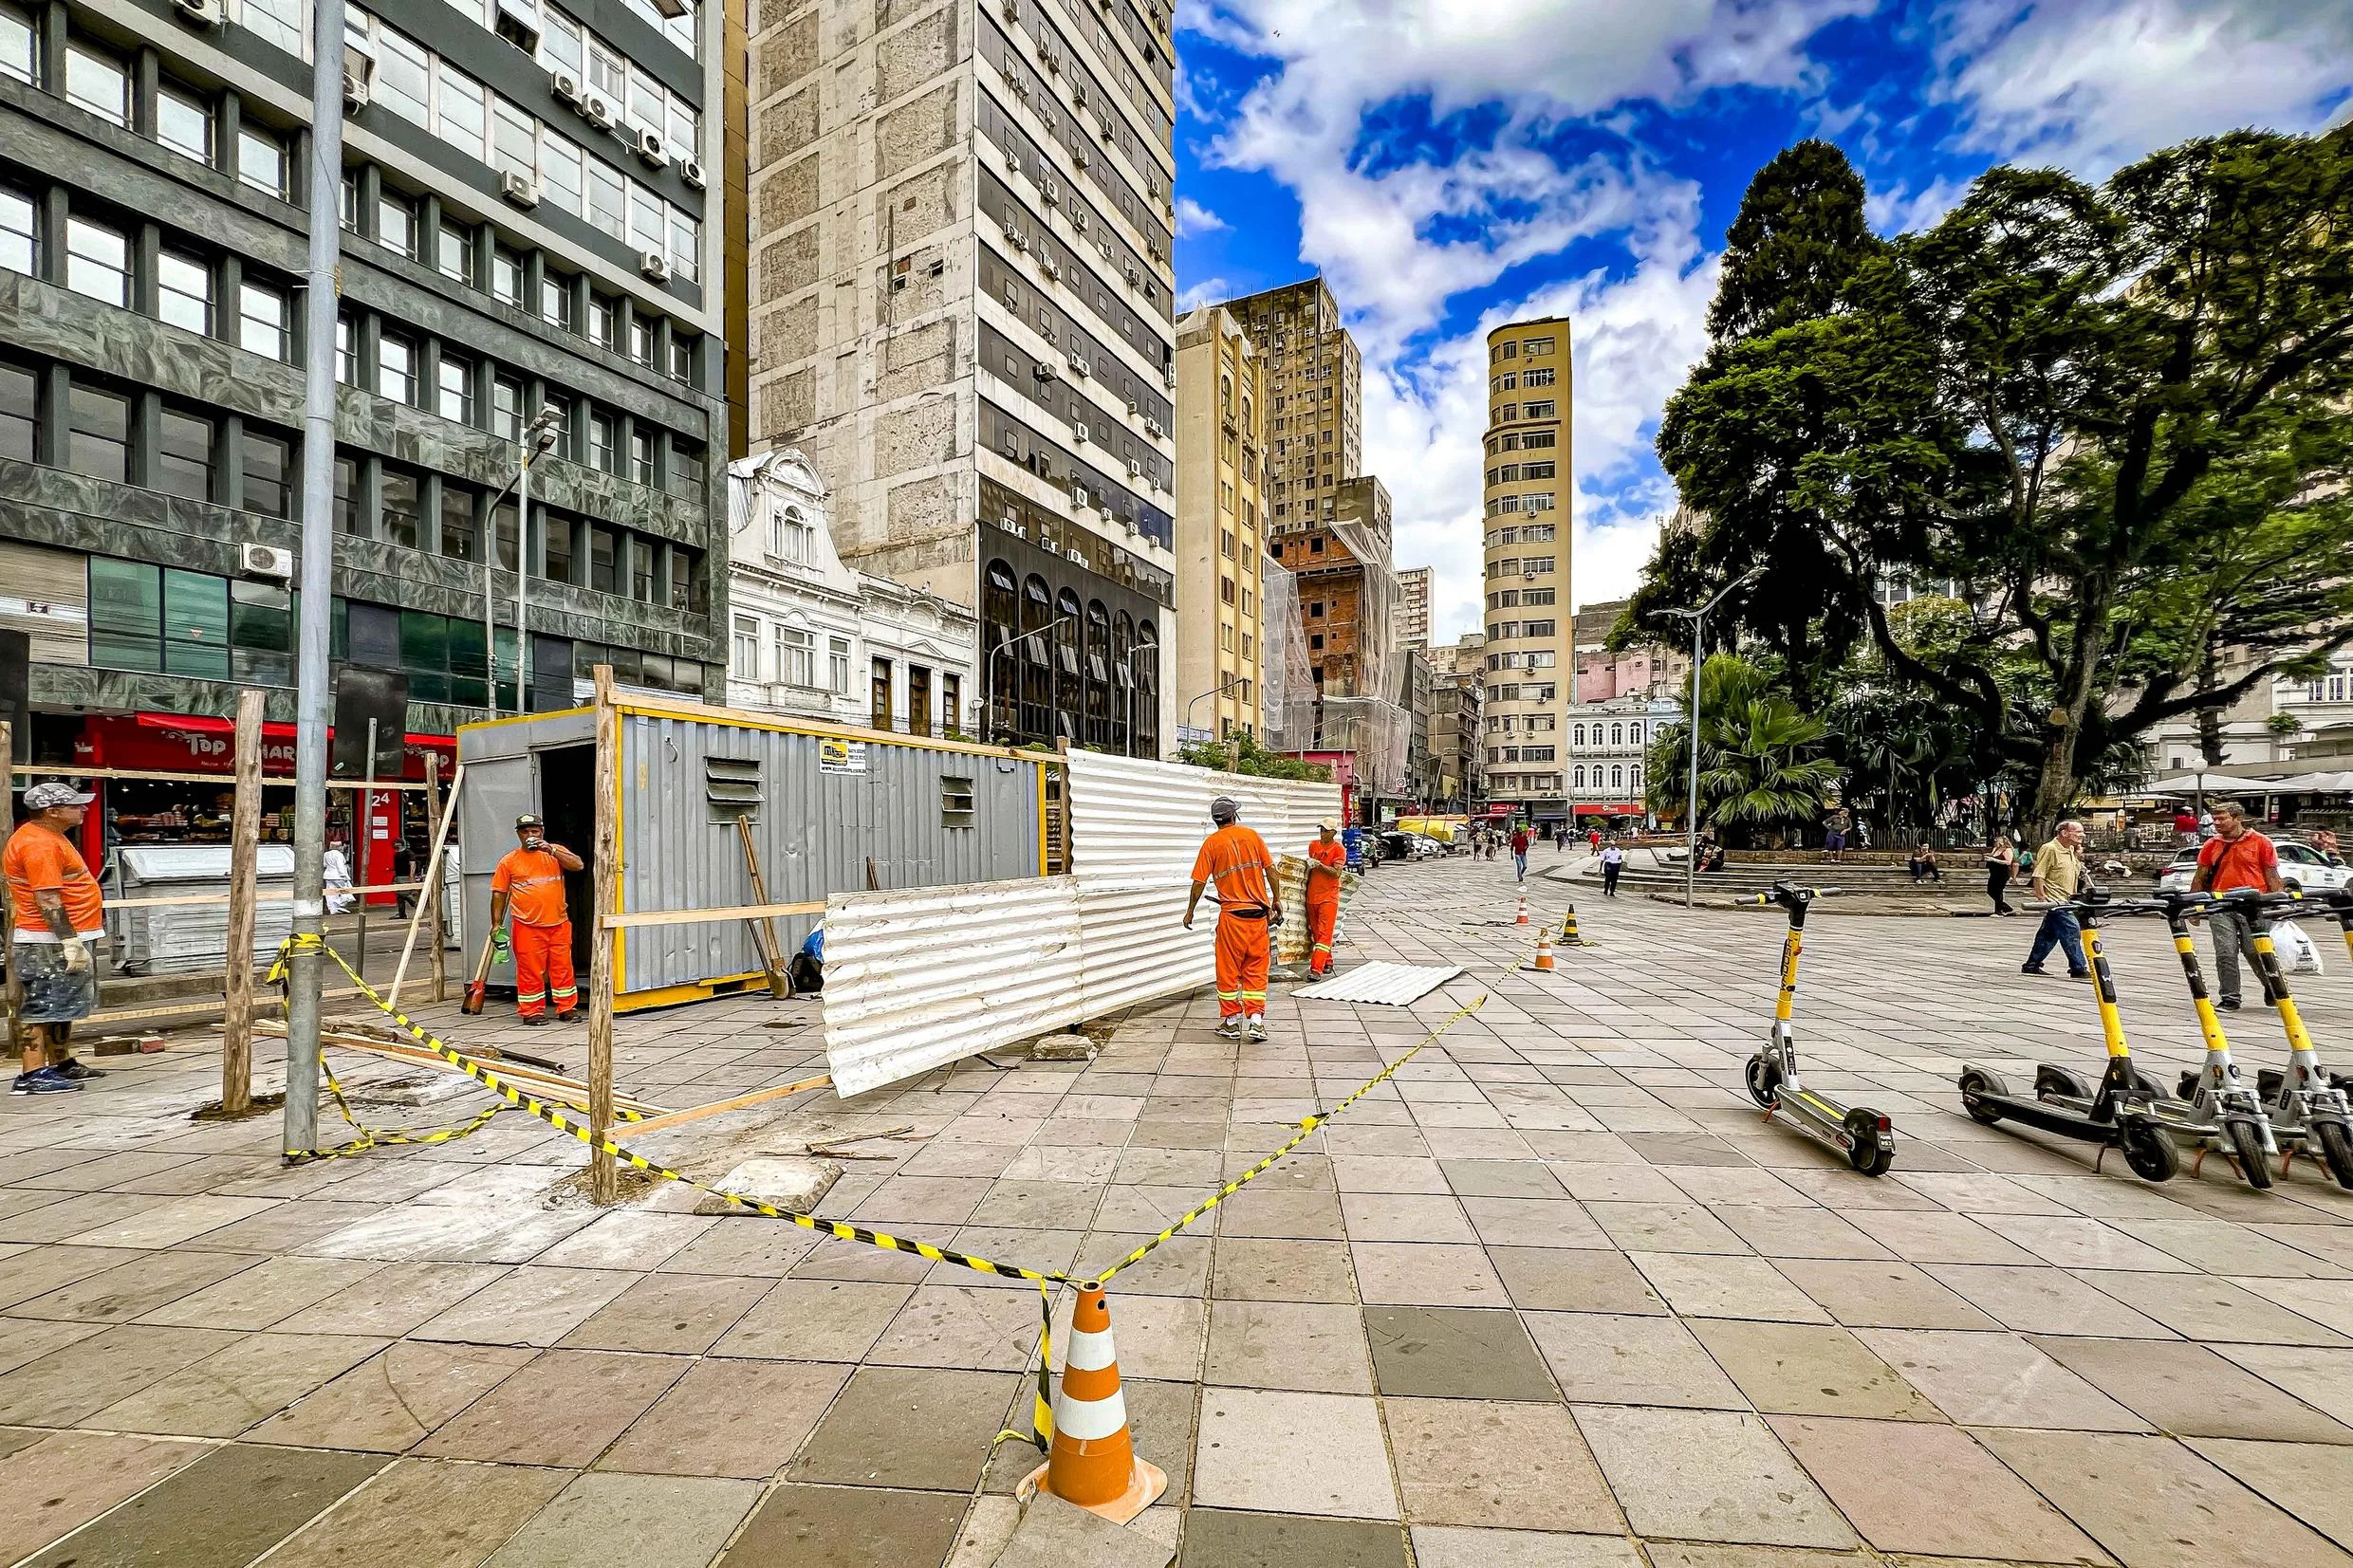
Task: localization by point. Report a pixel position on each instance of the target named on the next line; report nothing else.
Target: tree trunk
(2057, 779)
(2209, 719)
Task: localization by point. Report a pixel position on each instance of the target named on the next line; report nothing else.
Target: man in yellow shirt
(2058, 876)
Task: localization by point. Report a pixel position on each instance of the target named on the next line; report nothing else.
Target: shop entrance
(567, 797)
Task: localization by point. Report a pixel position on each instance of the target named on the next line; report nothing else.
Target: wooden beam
(45, 771)
(718, 1107)
(438, 824)
(244, 856)
(695, 918)
(763, 930)
(603, 1177)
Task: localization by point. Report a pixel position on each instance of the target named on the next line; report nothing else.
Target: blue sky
(1451, 164)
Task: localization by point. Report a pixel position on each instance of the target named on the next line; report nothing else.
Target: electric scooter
(1863, 1137)
(2307, 1105)
(2119, 1114)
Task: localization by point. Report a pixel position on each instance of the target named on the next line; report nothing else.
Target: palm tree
(1761, 771)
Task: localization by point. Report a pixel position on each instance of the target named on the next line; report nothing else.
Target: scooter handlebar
(1783, 892)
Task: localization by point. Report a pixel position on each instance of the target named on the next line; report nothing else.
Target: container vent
(731, 786)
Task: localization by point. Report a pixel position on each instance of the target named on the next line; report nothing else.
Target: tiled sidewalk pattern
(1554, 1296)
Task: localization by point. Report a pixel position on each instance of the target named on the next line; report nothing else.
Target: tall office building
(1220, 595)
(1315, 418)
(1412, 607)
(961, 311)
(527, 225)
(1530, 656)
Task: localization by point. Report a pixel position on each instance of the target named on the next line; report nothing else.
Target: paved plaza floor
(1554, 1296)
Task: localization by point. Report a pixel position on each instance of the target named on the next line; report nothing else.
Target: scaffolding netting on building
(1287, 677)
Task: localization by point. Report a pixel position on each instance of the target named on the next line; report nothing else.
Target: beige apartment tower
(1315, 418)
(1529, 650)
(1220, 592)
(961, 310)
(1413, 608)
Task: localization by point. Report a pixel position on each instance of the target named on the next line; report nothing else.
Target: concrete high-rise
(1315, 420)
(1220, 595)
(961, 310)
(1412, 607)
(1530, 652)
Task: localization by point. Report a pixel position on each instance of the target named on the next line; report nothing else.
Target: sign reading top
(836, 754)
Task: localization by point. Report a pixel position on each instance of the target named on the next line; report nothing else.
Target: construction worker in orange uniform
(1326, 859)
(529, 885)
(1235, 858)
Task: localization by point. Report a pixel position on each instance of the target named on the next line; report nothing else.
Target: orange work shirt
(1334, 855)
(532, 879)
(41, 860)
(1235, 858)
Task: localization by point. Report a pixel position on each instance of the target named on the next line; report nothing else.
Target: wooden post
(432, 890)
(604, 1178)
(363, 846)
(245, 832)
(763, 930)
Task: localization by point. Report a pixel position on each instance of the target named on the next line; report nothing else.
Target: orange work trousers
(1322, 915)
(1241, 966)
(543, 957)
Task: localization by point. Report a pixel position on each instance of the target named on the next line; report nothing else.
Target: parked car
(2303, 869)
(1396, 845)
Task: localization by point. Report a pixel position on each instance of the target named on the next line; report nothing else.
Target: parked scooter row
(2301, 1108)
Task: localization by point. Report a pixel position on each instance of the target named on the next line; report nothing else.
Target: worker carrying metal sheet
(1327, 861)
(528, 884)
(1235, 858)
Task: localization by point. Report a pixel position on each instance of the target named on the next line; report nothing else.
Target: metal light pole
(536, 439)
(989, 671)
(300, 1126)
(1690, 802)
(1226, 684)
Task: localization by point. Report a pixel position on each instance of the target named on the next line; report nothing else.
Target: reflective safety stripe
(1254, 996)
(1228, 996)
(1089, 1351)
(1322, 946)
(1090, 1420)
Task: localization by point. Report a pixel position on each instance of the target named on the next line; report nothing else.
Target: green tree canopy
(1762, 773)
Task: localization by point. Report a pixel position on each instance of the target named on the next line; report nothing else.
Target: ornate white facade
(808, 634)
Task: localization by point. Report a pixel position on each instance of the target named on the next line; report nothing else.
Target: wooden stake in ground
(245, 832)
(603, 1179)
(763, 931)
(436, 822)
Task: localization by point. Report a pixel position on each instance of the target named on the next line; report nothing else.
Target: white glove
(77, 957)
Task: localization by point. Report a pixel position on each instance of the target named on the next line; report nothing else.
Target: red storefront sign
(187, 743)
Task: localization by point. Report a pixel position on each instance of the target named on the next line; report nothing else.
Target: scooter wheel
(1870, 1154)
(2246, 1148)
(1979, 1111)
(2058, 1083)
(2337, 1151)
(1764, 1080)
(2150, 1152)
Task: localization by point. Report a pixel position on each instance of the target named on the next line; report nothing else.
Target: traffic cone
(1523, 919)
(1569, 929)
(1092, 1462)
(1543, 951)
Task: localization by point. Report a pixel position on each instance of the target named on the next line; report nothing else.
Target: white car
(2302, 869)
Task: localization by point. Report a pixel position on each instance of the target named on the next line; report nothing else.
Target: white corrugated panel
(919, 978)
(1137, 945)
(1390, 984)
(1138, 820)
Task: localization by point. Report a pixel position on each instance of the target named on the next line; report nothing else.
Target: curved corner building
(1530, 662)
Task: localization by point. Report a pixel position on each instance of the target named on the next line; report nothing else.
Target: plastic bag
(2297, 952)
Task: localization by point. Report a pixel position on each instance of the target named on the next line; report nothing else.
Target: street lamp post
(536, 439)
(1690, 802)
(989, 670)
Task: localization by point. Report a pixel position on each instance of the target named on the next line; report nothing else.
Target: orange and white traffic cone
(1092, 1462)
(1523, 919)
(1543, 951)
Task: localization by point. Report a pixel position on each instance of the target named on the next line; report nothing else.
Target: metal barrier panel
(920, 978)
(1137, 820)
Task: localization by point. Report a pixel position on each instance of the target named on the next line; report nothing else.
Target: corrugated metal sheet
(919, 979)
(1389, 984)
(1136, 946)
(1144, 820)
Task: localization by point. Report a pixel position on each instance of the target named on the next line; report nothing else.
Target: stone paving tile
(1420, 1274)
(728, 1418)
(395, 1400)
(2153, 1503)
(424, 1513)
(815, 1320)
(237, 1387)
(1804, 1369)
(1605, 1358)
(393, 1298)
(24, 1339)
(2317, 1376)
(1996, 1380)
(962, 1325)
(2190, 1391)
(75, 1381)
(1221, 1538)
(2325, 1302)
(1715, 1475)
(1303, 1345)
(2312, 1481)
(220, 1512)
(561, 1408)
(921, 1428)
(1267, 1270)
(1570, 1280)
(2199, 1306)
(1703, 1286)
(1881, 1295)
(132, 1289)
(1295, 1454)
(848, 1527)
(265, 1293)
(59, 1482)
(529, 1307)
(1785, 1232)
(1456, 1352)
(1491, 1462)
(37, 1272)
(2045, 1301)
(1931, 1489)
(1457, 1546)
(679, 1313)
(646, 1521)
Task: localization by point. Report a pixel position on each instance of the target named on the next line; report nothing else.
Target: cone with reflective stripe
(1543, 951)
(1093, 1460)
(1523, 919)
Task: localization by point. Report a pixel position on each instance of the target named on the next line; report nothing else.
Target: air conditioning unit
(693, 174)
(1109, 134)
(1043, 371)
(1021, 90)
(598, 110)
(520, 189)
(1075, 554)
(358, 78)
(201, 13)
(265, 560)
(1133, 275)
(1048, 265)
(651, 148)
(1079, 433)
(1052, 191)
(1078, 156)
(1080, 366)
(565, 86)
(1135, 468)
(1078, 494)
(1011, 11)
(654, 264)
(1152, 428)
(1078, 95)
(1131, 408)
(1018, 240)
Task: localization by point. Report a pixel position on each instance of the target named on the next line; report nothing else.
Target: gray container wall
(814, 829)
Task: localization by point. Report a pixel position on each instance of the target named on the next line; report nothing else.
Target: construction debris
(782, 1181)
(1069, 1047)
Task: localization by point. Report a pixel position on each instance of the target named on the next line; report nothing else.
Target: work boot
(1256, 1030)
(1229, 1028)
(534, 1020)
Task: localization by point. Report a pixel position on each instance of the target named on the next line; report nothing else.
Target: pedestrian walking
(528, 886)
(2325, 845)
(59, 915)
(2185, 826)
(1613, 861)
(1235, 858)
(2236, 856)
(335, 876)
(1834, 828)
(1325, 858)
(2001, 863)
(2058, 872)
(2206, 829)
(1520, 841)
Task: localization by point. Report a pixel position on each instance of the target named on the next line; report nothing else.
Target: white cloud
(2096, 85)
(1899, 210)
(1194, 218)
(1207, 291)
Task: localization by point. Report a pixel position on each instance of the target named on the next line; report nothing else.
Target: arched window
(1246, 412)
(1581, 778)
(1617, 778)
(1578, 738)
(1098, 674)
(1225, 393)
(1069, 686)
(788, 529)
(1037, 680)
(1634, 778)
(1634, 732)
(1001, 613)
(1617, 735)
(1122, 680)
(1147, 691)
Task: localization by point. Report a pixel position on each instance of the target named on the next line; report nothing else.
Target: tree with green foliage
(1762, 773)
(1256, 760)
(2115, 418)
